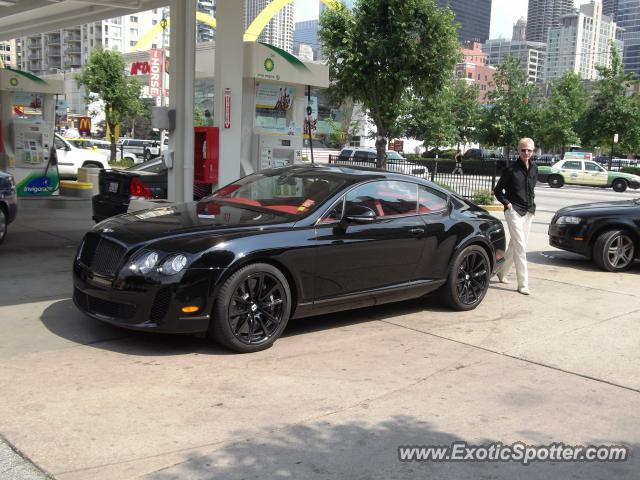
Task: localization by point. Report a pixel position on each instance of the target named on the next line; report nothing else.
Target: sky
(504, 13)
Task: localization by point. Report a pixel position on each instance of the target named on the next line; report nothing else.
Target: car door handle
(416, 231)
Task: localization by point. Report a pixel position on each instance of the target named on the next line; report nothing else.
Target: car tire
(555, 181)
(619, 185)
(4, 222)
(468, 279)
(252, 309)
(92, 165)
(614, 250)
(147, 155)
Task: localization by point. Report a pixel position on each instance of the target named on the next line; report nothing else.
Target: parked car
(368, 156)
(8, 203)
(607, 232)
(70, 158)
(119, 187)
(586, 172)
(145, 149)
(120, 152)
(286, 243)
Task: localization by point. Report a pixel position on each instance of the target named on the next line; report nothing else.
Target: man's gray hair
(526, 140)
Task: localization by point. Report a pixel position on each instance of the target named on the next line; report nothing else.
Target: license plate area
(113, 187)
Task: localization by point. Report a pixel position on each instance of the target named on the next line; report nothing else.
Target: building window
(355, 141)
(133, 18)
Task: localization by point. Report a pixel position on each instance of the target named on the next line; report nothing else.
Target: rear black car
(286, 243)
(607, 232)
(117, 187)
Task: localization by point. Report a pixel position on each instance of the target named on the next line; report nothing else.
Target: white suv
(71, 158)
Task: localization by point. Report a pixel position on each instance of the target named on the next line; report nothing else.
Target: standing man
(516, 191)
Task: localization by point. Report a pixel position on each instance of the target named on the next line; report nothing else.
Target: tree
(612, 110)
(105, 78)
(511, 114)
(562, 113)
(383, 50)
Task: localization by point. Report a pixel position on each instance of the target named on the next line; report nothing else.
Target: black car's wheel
(252, 309)
(619, 185)
(614, 250)
(555, 181)
(468, 280)
(3, 224)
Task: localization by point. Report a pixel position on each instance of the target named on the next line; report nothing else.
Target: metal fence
(466, 182)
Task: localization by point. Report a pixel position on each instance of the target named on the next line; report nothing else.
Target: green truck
(579, 168)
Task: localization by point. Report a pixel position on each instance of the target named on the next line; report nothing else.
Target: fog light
(190, 309)
(579, 239)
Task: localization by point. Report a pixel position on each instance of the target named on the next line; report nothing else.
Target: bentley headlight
(173, 264)
(144, 263)
(569, 220)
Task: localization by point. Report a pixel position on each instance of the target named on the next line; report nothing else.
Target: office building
(279, 31)
(473, 16)
(544, 14)
(8, 54)
(626, 14)
(306, 33)
(532, 55)
(204, 32)
(582, 42)
(520, 31)
(475, 70)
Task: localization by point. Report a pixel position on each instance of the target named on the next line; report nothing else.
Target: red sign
(397, 145)
(155, 72)
(227, 108)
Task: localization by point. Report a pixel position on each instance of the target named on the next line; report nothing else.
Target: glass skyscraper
(474, 17)
(544, 14)
(626, 13)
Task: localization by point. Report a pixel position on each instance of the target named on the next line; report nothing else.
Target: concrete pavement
(335, 397)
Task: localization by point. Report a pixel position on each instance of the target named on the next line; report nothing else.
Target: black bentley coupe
(607, 232)
(286, 243)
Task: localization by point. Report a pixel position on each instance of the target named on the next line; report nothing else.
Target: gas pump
(27, 120)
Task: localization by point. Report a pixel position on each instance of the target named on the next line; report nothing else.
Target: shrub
(124, 163)
(632, 170)
(483, 197)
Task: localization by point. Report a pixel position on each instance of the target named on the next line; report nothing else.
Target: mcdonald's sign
(84, 125)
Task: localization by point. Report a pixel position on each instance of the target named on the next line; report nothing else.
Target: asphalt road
(336, 396)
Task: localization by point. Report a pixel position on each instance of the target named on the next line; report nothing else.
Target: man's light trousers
(517, 250)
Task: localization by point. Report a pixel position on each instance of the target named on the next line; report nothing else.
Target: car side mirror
(359, 214)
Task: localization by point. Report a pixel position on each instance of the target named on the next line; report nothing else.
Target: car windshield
(393, 155)
(290, 191)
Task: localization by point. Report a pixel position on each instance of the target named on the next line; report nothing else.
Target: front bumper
(145, 306)
(569, 237)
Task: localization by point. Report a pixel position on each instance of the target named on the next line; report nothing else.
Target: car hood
(191, 219)
(602, 208)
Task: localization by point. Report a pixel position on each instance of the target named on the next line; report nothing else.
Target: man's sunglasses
(526, 150)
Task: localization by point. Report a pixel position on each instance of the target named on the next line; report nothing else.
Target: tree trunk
(381, 149)
(112, 129)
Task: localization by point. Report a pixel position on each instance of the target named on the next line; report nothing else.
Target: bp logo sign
(269, 65)
(13, 81)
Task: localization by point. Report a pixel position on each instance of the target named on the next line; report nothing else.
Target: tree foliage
(612, 109)
(511, 113)
(105, 78)
(447, 117)
(562, 113)
(384, 49)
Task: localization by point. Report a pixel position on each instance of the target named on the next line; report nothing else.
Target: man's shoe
(524, 291)
(502, 278)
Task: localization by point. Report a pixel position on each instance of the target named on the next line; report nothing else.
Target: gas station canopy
(28, 17)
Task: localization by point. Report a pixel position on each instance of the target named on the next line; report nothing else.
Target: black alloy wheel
(252, 309)
(3, 224)
(614, 251)
(555, 181)
(619, 185)
(468, 280)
